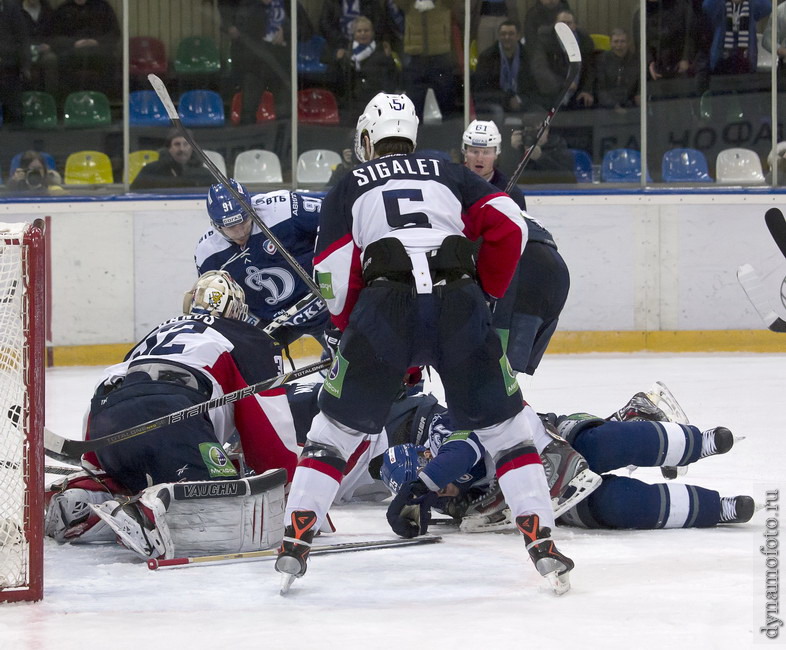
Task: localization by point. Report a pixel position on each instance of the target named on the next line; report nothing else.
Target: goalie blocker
(189, 518)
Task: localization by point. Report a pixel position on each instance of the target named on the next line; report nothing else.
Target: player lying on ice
(449, 472)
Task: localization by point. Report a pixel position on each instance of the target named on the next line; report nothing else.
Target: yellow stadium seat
(88, 168)
(602, 42)
(137, 160)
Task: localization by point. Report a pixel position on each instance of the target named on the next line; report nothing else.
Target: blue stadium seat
(622, 166)
(146, 109)
(201, 108)
(685, 166)
(309, 54)
(582, 166)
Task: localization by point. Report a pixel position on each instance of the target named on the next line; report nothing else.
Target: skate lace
(728, 508)
(708, 443)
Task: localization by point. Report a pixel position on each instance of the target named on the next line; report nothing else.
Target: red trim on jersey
(332, 248)
(518, 461)
(502, 242)
(322, 467)
(354, 281)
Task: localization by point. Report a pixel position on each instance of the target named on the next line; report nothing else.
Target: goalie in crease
(209, 351)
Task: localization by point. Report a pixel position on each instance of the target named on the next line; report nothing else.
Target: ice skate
(568, 475)
(486, 512)
(639, 407)
(293, 554)
(550, 563)
(716, 441)
(736, 510)
(132, 528)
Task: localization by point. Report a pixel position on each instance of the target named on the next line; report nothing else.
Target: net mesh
(14, 446)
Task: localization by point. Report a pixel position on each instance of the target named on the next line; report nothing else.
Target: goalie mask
(481, 134)
(216, 293)
(386, 116)
(401, 464)
(223, 208)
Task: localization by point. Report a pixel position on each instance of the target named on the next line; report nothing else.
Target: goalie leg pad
(209, 517)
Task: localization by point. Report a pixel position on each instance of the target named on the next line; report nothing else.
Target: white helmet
(386, 116)
(216, 293)
(482, 134)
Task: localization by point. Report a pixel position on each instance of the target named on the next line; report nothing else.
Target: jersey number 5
(398, 219)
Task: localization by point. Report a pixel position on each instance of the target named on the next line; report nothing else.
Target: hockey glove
(409, 512)
(332, 338)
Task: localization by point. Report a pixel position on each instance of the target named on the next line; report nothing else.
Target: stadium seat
(88, 168)
(738, 166)
(602, 42)
(50, 162)
(431, 111)
(218, 160)
(473, 54)
(86, 109)
(266, 110)
(146, 55)
(197, 55)
(622, 166)
(201, 108)
(39, 110)
(146, 109)
(138, 159)
(764, 59)
(582, 166)
(257, 166)
(317, 106)
(316, 165)
(685, 166)
(309, 56)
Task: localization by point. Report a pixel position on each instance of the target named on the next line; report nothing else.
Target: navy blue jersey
(537, 231)
(270, 283)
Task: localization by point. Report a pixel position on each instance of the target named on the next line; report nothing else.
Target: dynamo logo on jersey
(269, 247)
(278, 282)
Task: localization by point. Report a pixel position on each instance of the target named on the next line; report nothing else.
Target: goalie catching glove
(200, 517)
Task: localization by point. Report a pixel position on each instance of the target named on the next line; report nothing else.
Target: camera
(34, 178)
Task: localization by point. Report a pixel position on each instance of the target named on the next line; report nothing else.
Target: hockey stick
(776, 224)
(67, 450)
(174, 117)
(269, 554)
(571, 48)
(754, 288)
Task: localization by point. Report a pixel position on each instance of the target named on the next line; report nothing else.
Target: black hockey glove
(332, 337)
(409, 512)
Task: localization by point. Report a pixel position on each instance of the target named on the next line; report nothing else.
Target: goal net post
(22, 345)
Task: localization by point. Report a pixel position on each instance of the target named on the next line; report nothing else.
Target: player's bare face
(238, 233)
(481, 160)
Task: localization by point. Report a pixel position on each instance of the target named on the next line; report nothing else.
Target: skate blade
(559, 583)
(286, 582)
(670, 473)
(487, 523)
(585, 483)
(666, 402)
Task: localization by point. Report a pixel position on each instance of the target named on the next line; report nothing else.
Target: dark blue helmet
(401, 464)
(223, 208)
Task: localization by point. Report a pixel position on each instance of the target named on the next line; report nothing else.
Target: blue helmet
(401, 464)
(224, 210)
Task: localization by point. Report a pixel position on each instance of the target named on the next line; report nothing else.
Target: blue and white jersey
(270, 283)
(458, 457)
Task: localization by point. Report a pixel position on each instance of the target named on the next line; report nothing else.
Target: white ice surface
(694, 588)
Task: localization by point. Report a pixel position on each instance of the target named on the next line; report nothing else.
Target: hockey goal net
(22, 340)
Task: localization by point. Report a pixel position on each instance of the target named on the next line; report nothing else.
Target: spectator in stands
(14, 59)
(260, 32)
(427, 47)
(549, 66)
(347, 163)
(766, 41)
(38, 17)
(86, 38)
(34, 176)
(734, 48)
(540, 18)
(363, 70)
(177, 166)
(671, 44)
(551, 161)
(503, 79)
(336, 23)
(485, 18)
(617, 73)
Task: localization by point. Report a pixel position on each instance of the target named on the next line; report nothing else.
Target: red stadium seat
(146, 55)
(317, 106)
(266, 110)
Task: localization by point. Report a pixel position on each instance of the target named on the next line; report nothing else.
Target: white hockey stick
(269, 554)
(751, 283)
(67, 450)
(571, 48)
(174, 117)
